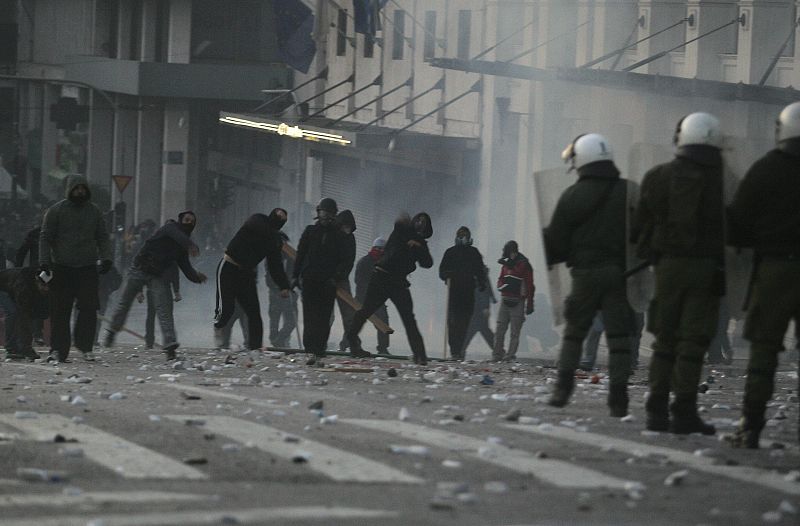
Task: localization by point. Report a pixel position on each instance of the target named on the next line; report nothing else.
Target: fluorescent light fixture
(284, 129)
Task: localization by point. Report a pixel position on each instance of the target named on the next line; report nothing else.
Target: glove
(529, 309)
(105, 266)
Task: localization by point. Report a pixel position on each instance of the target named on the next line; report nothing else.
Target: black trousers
(381, 288)
(459, 310)
(73, 285)
(237, 284)
(318, 302)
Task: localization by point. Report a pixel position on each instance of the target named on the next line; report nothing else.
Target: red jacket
(516, 279)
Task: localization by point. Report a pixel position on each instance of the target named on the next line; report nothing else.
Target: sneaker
(360, 353)
(108, 339)
(169, 350)
(89, 357)
(219, 338)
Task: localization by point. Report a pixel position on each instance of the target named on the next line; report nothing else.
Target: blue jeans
(159, 290)
(9, 309)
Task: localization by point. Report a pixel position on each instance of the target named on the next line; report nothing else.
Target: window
(398, 42)
(369, 46)
(464, 30)
(341, 33)
(429, 49)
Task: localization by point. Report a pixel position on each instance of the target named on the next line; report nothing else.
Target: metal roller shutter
(353, 189)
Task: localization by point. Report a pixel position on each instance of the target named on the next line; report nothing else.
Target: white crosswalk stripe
(556, 472)
(335, 463)
(237, 516)
(98, 498)
(127, 459)
(752, 475)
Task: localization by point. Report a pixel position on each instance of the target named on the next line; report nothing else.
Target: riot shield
(641, 280)
(549, 185)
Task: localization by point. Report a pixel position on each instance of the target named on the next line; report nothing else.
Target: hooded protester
(29, 251)
(347, 224)
(323, 260)
(516, 290)
(258, 238)
(169, 245)
(680, 229)
(463, 270)
(406, 248)
(73, 247)
(364, 269)
(281, 308)
(20, 293)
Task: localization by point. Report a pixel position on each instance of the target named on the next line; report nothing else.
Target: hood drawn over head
(74, 181)
(346, 218)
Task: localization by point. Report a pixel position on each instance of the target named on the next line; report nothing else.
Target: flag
(294, 23)
(366, 14)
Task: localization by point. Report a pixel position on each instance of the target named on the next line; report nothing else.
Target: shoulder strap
(600, 203)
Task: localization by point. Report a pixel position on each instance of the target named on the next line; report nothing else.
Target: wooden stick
(446, 317)
(345, 296)
(125, 329)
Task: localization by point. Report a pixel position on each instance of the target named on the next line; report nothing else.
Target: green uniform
(765, 215)
(587, 232)
(679, 227)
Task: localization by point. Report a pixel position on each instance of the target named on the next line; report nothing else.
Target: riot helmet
(699, 128)
(586, 149)
(788, 124)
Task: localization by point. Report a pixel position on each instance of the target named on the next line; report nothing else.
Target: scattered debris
(676, 479)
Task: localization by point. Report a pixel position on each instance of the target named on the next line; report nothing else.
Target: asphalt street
(259, 438)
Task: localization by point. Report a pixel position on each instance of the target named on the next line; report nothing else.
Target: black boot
(563, 390)
(618, 400)
(685, 419)
(657, 407)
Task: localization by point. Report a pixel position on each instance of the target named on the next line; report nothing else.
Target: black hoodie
(345, 218)
(167, 246)
(398, 258)
(258, 238)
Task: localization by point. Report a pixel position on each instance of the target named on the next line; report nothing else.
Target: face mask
(325, 217)
(78, 199)
(463, 240)
(277, 218)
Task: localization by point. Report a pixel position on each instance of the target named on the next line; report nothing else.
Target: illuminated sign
(284, 129)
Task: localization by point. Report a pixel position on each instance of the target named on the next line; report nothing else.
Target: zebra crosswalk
(361, 463)
(129, 460)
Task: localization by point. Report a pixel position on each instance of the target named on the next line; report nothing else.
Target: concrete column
(176, 116)
(765, 29)
(174, 162)
(180, 31)
(50, 95)
(147, 181)
(125, 151)
(149, 25)
(584, 38)
(101, 122)
(124, 30)
(703, 56)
